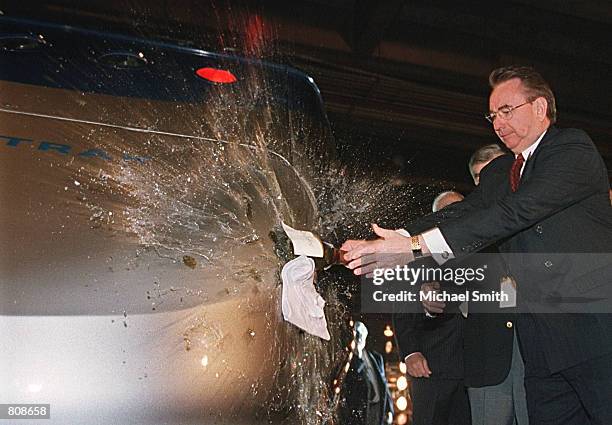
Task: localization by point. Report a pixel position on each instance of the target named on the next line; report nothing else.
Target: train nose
(138, 277)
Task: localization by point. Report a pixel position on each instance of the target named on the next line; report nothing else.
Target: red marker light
(216, 75)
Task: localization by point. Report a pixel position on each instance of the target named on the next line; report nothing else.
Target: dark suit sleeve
(408, 333)
(355, 392)
(380, 363)
(562, 176)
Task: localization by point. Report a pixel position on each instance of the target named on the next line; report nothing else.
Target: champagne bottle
(332, 256)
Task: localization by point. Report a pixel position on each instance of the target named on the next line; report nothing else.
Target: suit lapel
(528, 166)
(548, 137)
(497, 183)
(376, 366)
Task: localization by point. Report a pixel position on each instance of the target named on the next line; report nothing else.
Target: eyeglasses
(505, 112)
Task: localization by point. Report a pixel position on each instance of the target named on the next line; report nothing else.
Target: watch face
(414, 241)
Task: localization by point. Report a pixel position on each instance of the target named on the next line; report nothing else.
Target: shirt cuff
(411, 354)
(440, 251)
(403, 232)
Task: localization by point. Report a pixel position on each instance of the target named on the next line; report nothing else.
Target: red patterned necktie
(515, 172)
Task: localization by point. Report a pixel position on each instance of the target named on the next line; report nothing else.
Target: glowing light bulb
(402, 383)
(204, 360)
(388, 347)
(401, 403)
(388, 331)
(402, 367)
(402, 419)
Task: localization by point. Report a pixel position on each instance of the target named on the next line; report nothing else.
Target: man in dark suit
(432, 349)
(493, 367)
(367, 398)
(549, 205)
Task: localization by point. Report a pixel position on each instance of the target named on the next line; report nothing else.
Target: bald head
(445, 199)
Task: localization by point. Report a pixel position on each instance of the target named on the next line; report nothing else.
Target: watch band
(415, 244)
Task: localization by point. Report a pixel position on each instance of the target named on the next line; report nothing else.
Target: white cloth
(301, 303)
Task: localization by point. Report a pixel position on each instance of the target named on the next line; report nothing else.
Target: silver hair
(485, 153)
(436, 203)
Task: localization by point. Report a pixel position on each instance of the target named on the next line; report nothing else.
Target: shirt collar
(527, 152)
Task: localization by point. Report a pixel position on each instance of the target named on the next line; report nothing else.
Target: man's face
(525, 126)
(476, 169)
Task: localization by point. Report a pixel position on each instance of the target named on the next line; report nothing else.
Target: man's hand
(390, 250)
(432, 307)
(417, 367)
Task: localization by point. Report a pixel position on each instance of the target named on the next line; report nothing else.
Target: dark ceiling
(403, 80)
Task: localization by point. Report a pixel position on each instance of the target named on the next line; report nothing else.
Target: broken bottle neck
(332, 256)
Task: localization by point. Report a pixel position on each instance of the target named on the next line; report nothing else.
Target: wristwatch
(415, 244)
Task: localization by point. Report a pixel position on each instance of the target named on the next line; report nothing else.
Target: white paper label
(507, 287)
(304, 242)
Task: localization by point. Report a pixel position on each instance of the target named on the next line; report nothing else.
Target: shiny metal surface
(138, 281)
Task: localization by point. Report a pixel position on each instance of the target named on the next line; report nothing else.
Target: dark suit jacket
(487, 348)
(439, 339)
(487, 340)
(357, 391)
(561, 208)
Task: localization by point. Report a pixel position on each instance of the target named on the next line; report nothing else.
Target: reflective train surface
(139, 184)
